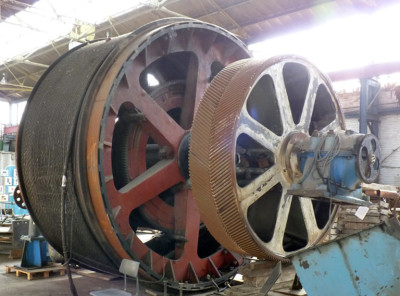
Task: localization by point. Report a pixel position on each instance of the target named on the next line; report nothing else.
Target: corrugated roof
(251, 20)
(9, 7)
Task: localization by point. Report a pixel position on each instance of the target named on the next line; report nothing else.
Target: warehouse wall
(7, 166)
(6, 159)
(389, 136)
(353, 124)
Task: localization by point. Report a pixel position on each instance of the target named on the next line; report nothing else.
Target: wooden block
(384, 212)
(374, 186)
(350, 231)
(367, 219)
(384, 204)
(30, 272)
(371, 213)
(358, 226)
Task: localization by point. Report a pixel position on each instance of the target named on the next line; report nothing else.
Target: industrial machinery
(350, 260)
(268, 135)
(107, 154)
(36, 249)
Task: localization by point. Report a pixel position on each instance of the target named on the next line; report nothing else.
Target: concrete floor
(58, 285)
(55, 285)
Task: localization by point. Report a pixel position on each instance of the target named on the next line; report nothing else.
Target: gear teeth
(211, 162)
(212, 156)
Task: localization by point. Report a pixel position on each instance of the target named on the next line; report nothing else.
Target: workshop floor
(58, 285)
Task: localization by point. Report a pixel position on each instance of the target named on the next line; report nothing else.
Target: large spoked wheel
(240, 162)
(130, 151)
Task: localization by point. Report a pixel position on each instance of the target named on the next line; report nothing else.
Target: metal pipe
(27, 62)
(393, 195)
(363, 106)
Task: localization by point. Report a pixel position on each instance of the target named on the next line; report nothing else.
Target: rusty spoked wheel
(239, 168)
(18, 198)
(134, 98)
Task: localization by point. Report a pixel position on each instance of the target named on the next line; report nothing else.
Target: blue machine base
(35, 253)
(365, 263)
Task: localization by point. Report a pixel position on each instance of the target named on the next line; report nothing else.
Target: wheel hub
(288, 157)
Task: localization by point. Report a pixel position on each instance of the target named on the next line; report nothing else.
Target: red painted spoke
(157, 122)
(196, 84)
(150, 184)
(187, 224)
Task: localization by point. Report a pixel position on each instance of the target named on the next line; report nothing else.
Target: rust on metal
(393, 195)
(251, 110)
(128, 182)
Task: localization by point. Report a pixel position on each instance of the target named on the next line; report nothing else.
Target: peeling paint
(304, 264)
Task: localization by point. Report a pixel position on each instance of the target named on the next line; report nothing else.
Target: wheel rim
(238, 158)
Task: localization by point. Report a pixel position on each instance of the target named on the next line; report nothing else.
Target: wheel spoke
(308, 108)
(187, 224)
(150, 183)
(282, 97)
(282, 217)
(157, 122)
(310, 222)
(258, 132)
(196, 83)
(261, 185)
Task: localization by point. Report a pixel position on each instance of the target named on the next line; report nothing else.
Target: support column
(369, 106)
